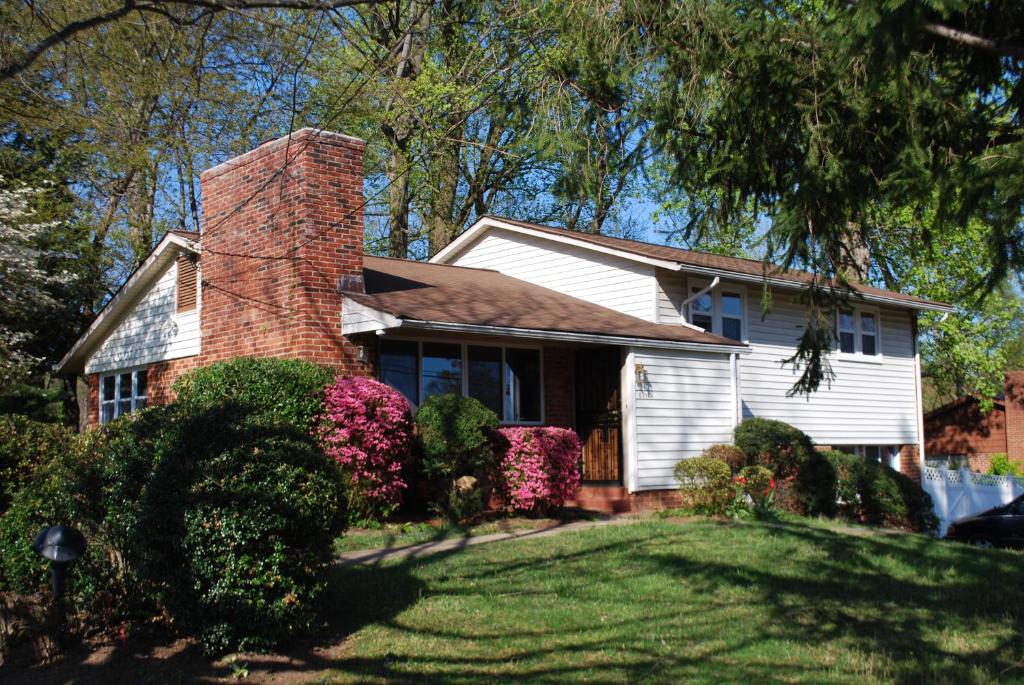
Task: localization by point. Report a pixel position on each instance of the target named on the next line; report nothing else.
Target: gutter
(568, 336)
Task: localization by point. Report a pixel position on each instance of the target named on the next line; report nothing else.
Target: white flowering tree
(23, 283)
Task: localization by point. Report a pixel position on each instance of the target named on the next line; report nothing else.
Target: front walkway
(425, 549)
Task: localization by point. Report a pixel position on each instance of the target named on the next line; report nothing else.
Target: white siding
(606, 280)
(872, 401)
(681, 405)
(151, 332)
(670, 295)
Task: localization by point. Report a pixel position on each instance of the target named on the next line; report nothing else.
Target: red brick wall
(910, 463)
(1014, 403)
(559, 387)
(282, 224)
(655, 500)
(964, 429)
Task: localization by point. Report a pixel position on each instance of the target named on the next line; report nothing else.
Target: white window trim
(858, 355)
(135, 397)
(506, 409)
(693, 286)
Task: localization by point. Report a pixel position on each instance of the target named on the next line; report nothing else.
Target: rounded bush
(838, 484)
(774, 444)
(539, 467)
(291, 390)
(367, 428)
(24, 445)
(219, 518)
(705, 483)
(456, 434)
(730, 454)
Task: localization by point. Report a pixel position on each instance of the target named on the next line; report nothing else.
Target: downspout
(686, 303)
(734, 389)
(919, 399)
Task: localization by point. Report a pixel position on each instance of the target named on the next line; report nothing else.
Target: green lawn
(704, 601)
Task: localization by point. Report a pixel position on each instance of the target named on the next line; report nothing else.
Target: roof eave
(484, 222)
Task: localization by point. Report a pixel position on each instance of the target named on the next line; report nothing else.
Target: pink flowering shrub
(367, 428)
(540, 468)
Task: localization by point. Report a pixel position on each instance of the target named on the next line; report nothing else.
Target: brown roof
(748, 267)
(452, 294)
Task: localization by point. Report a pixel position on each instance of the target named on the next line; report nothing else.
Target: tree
(813, 114)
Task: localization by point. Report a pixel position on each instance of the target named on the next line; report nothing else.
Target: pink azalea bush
(367, 428)
(540, 468)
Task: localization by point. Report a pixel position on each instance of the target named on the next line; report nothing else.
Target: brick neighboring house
(960, 430)
(651, 353)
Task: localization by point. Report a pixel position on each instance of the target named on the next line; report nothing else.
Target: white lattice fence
(960, 492)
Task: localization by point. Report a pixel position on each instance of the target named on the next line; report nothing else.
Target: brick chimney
(282, 227)
(1015, 416)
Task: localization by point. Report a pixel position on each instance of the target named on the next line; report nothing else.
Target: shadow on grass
(893, 596)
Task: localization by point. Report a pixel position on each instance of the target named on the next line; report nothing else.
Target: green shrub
(24, 445)
(219, 518)
(706, 484)
(774, 444)
(1000, 465)
(758, 483)
(290, 390)
(839, 484)
(730, 454)
(456, 434)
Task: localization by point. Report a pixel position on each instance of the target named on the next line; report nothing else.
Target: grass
(411, 533)
(703, 601)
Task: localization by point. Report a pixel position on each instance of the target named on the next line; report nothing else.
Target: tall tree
(813, 113)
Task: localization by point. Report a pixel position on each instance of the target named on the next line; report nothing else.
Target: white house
(651, 353)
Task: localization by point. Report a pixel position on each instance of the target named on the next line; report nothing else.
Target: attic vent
(186, 284)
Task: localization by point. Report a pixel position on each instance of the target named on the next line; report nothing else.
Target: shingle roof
(737, 265)
(440, 293)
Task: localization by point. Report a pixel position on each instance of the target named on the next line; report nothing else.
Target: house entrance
(598, 414)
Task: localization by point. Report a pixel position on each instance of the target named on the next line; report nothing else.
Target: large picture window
(507, 380)
(121, 393)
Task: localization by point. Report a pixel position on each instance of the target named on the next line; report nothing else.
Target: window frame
(464, 380)
(717, 314)
(858, 335)
(118, 398)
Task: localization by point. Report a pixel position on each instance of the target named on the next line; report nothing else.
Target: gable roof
(172, 244)
(442, 297)
(678, 259)
(998, 402)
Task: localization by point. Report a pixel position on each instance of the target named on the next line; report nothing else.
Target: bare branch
(160, 7)
(975, 41)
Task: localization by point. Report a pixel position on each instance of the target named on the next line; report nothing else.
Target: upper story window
(505, 379)
(187, 286)
(858, 332)
(719, 311)
(122, 393)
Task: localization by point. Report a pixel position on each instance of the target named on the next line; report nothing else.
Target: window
(187, 286)
(441, 369)
(399, 367)
(718, 311)
(883, 454)
(507, 380)
(122, 393)
(858, 333)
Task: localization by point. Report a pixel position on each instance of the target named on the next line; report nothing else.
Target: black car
(999, 527)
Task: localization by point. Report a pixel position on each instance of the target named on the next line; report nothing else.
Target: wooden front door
(598, 416)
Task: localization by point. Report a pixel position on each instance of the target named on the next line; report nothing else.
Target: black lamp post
(61, 545)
